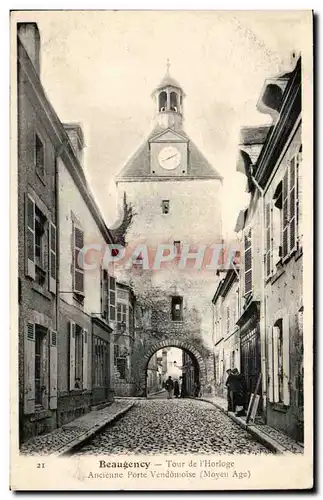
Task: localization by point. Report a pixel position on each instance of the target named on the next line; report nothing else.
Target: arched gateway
(180, 344)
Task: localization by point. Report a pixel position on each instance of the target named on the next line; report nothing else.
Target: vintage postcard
(161, 250)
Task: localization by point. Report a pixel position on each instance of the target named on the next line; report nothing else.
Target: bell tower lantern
(168, 97)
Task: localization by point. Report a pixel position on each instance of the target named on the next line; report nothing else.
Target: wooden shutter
(78, 275)
(29, 369)
(52, 258)
(112, 298)
(292, 204)
(30, 236)
(276, 333)
(270, 367)
(53, 370)
(286, 392)
(85, 358)
(248, 262)
(285, 214)
(299, 197)
(269, 239)
(72, 355)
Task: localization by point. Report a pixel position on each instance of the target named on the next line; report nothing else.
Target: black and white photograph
(161, 262)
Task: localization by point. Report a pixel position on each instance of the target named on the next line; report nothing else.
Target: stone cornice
(276, 140)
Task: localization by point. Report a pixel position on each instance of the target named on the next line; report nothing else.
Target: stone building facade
(85, 346)
(281, 172)
(226, 302)
(270, 318)
(175, 195)
(37, 221)
(66, 315)
(124, 339)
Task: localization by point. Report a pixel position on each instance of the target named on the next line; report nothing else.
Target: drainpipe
(262, 293)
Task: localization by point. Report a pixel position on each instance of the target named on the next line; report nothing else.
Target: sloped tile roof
(139, 164)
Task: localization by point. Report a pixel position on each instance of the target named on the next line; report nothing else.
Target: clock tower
(175, 194)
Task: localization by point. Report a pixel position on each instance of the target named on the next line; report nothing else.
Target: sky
(100, 68)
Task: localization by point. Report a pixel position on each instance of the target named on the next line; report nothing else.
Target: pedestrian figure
(239, 393)
(169, 386)
(197, 388)
(183, 389)
(229, 386)
(176, 389)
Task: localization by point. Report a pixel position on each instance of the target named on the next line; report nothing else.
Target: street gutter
(75, 443)
(253, 429)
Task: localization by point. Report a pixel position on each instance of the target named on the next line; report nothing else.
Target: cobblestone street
(173, 426)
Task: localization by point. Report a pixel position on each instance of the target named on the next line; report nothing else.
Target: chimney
(75, 135)
(29, 36)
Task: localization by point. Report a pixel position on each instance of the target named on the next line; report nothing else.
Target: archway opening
(176, 364)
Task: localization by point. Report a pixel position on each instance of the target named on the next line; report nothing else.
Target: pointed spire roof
(168, 81)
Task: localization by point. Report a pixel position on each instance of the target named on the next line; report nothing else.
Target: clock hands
(169, 157)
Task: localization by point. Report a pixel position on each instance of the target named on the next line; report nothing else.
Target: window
(177, 308)
(173, 101)
(120, 360)
(104, 294)
(40, 334)
(177, 245)
(299, 196)
(78, 358)
(165, 206)
(40, 221)
(78, 272)
(277, 222)
(131, 321)
(122, 367)
(228, 320)
(278, 388)
(39, 156)
(116, 353)
(248, 262)
(101, 364)
(121, 315)
(112, 298)
(162, 105)
(291, 204)
(39, 245)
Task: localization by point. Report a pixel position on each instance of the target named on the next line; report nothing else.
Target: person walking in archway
(229, 385)
(169, 386)
(176, 389)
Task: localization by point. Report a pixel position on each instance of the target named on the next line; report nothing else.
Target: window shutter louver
(72, 355)
(268, 229)
(29, 369)
(286, 395)
(30, 236)
(52, 258)
(248, 262)
(292, 204)
(270, 367)
(285, 214)
(112, 298)
(299, 181)
(53, 370)
(78, 239)
(85, 358)
(276, 333)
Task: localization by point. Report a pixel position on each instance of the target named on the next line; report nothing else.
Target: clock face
(169, 157)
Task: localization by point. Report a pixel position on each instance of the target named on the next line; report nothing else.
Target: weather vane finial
(167, 66)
